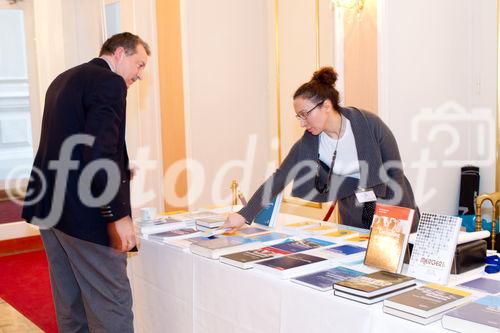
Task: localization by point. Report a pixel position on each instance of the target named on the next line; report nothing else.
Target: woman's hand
(234, 222)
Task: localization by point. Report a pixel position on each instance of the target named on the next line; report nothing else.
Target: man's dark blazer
(87, 99)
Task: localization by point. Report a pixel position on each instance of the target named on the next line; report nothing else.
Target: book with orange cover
(389, 237)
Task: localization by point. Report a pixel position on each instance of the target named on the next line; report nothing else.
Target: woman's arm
(266, 192)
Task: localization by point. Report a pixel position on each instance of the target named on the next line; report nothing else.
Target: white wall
(225, 63)
(441, 56)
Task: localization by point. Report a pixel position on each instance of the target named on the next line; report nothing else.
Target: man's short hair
(126, 40)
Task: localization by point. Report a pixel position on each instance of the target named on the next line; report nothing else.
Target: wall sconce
(349, 4)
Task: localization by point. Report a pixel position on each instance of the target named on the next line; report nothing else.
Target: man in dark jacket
(79, 192)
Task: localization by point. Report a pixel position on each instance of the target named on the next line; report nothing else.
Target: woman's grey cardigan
(380, 170)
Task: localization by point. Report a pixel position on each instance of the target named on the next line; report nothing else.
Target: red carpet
(10, 212)
(25, 285)
(20, 245)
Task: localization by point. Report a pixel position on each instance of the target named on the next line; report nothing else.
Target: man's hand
(121, 234)
(234, 222)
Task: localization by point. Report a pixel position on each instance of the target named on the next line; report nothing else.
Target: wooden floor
(11, 321)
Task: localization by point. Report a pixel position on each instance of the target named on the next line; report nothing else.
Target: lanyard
(492, 264)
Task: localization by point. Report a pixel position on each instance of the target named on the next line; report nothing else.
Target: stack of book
(482, 315)
(211, 222)
(373, 287)
(425, 304)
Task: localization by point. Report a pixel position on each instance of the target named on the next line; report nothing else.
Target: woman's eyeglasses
(303, 115)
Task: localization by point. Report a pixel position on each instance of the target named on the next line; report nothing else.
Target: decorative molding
(14, 79)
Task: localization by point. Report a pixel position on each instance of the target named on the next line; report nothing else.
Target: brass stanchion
(234, 193)
(494, 198)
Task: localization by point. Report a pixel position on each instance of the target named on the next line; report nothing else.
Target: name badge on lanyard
(365, 195)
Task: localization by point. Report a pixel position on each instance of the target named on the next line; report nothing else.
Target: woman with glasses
(346, 155)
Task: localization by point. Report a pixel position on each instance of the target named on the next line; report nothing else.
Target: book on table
(293, 265)
(184, 233)
(434, 248)
(412, 317)
(210, 222)
(374, 284)
(170, 235)
(301, 245)
(324, 279)
(360, 231)
(185, 244)
(426, 303)
(214, 248)
(338, 236)
(361, 240)
(160, 224)
(482, 315)
(194, 215)
(483, 285)
(276, 247)
(389, 233)
(343, 253)
(249, 231)
(297, 227)
(269, 238)
(372, 299)
(320, 229)
(175, 221)
(247, 259)
(269, 214)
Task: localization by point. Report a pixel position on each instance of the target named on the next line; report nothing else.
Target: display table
(176, 291)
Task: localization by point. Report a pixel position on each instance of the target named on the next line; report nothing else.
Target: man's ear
(119, 53)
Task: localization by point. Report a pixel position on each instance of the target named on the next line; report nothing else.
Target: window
(112, 22)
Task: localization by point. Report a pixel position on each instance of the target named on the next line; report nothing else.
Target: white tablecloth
(175, 291)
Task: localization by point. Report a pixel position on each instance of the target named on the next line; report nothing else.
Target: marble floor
(11, 321)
